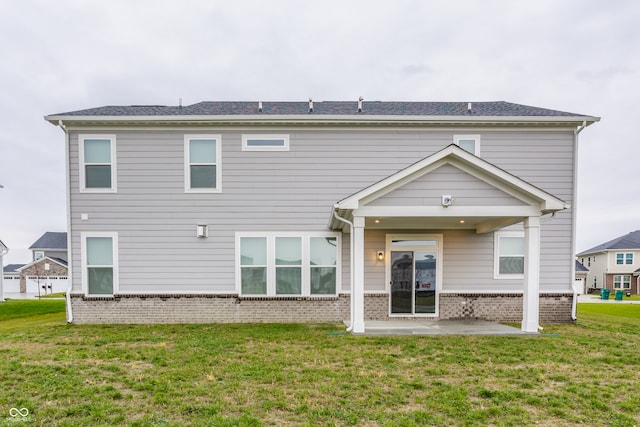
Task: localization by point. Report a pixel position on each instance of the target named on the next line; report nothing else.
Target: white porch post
(531, 292)
(357, 289)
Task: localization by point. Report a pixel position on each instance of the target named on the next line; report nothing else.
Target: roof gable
(427, 190)
(464, 161)
(58, 261)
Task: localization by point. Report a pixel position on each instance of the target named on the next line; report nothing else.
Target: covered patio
(420, 198)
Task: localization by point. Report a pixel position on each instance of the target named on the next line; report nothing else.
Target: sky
(581, 56)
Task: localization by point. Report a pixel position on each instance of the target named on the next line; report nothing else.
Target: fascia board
(328, 118)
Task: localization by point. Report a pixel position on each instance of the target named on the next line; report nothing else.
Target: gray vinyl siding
(428, 189)
(294, 191)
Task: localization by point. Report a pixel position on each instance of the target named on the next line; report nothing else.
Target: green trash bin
(604, 293)
(619, 295)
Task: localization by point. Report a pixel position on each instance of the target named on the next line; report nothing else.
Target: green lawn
(173, 375)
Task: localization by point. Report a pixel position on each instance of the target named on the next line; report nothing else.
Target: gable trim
(467, 162)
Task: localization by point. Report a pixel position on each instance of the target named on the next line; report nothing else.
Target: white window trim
(624, 258)
(187, 168)
(36, 253)
(83, 257)
(496, 254)
(114, 174)
(246, 147)
(476, 138)
(306, 266)
(622, 281)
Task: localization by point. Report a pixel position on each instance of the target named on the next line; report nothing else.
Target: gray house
(326, 211)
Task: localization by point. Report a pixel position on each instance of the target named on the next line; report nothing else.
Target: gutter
(323, 119)
(69, 251)
(351, 300)
(574, 302)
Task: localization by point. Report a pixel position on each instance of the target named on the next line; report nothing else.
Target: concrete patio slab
(439, 327)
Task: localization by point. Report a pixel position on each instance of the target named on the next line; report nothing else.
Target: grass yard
(252, 375)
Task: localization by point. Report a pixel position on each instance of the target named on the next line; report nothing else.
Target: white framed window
(470, 143)
(508, 255)
(99, 252)
(265, 142)
(97, 155)
(202, 168)
(624, 258)
(38, 255)
(288, 264)
(622, 281)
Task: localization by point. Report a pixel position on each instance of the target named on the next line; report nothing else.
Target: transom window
(470, 143)
(624, 258)
(99, 263)
(97, 163)
(509, 255)
(622, 281)
(202, 163)
(285, 264)
(265, 142)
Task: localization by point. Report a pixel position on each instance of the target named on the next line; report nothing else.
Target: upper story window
(509, 255)
(265, 142)
(624, 258)
(38, 255)
(470, 143)
(97, 163)
(202, 164)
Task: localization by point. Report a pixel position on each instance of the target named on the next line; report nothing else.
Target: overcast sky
(581, 56)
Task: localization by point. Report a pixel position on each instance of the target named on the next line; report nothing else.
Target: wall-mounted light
(447, 200)
(380, 255)
(202, 230)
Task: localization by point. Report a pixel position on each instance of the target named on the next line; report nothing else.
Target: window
(202, 163)
(97, 163)
(509, 255)
(470, 143)
(99, 263)
(38, 255)
(624, 258)
(622, 281)
(265, 142)
(285, 264)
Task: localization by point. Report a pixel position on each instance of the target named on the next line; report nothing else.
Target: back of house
(326, 211)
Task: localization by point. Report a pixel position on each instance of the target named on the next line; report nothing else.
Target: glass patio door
(414, 273)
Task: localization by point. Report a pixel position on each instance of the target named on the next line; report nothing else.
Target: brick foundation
(132, 309)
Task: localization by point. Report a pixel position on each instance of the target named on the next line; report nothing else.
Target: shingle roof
(628, 241)
(51, 240)
(580, 267)
(231, 108)
(11, 268)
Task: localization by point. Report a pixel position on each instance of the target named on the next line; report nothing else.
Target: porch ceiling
(482, 224)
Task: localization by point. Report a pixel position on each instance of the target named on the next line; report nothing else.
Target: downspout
(351, 303)
(3, 252)
(574, 302)
(69, 251)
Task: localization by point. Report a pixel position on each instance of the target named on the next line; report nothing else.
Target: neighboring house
(11, 277)
(581, 278)
(48, 272)
(50, 244)
(329, 211)
(614, 264)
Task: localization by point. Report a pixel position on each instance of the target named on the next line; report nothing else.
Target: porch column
(357, 288)
(531, 292)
